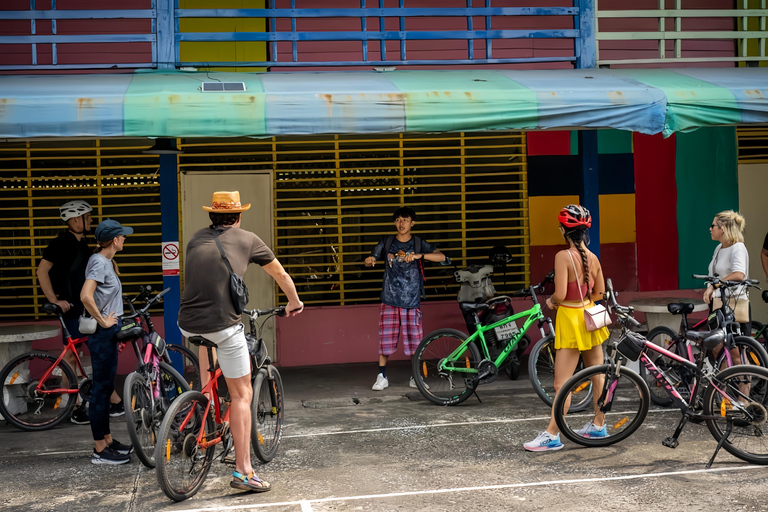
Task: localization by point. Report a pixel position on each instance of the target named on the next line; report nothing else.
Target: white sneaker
(412, 383)
(381, 383)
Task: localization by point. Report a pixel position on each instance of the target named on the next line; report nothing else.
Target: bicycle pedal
(671, 442)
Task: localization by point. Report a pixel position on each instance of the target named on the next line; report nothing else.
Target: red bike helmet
(575, 216)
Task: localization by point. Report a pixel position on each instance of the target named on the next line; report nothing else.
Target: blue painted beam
(377, 36)
(169, 216)
(590, 195)
(166, 29)
(370, 63)
(586, 46)
(80, 14)
(374, 12)
(92, 38)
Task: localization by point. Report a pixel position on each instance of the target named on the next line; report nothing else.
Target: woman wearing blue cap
(102, 297)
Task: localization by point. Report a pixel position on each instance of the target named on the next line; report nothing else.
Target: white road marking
(476, 488)
(456, 424)
(305, 506)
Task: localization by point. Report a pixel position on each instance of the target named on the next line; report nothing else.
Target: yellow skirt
(571, 330)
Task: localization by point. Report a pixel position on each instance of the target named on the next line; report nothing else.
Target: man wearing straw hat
(207, 310)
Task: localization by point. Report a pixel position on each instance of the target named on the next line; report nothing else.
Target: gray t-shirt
(109, 291)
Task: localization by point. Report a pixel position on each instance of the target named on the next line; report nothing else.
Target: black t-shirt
(69, 257)
(401, 287)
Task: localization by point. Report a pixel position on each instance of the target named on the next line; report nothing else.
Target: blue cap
(109, 229)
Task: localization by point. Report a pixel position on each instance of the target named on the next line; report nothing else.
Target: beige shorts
(231, 350)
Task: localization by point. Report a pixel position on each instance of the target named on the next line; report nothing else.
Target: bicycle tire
(630, 396)
(20, 377)
(541, 372)
(747, 440)
(183, 357)
(665, 337)
(266, 417)
(143, 415)
(751, 352)
(181, 465)
(436, 386)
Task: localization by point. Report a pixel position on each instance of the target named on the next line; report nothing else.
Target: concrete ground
(346, 447)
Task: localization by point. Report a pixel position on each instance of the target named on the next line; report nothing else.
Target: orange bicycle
(193, 426)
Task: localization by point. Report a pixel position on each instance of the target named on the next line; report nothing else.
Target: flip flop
(242, 482)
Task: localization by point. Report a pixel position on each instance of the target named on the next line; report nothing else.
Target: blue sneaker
(544, 442)
(590, 431)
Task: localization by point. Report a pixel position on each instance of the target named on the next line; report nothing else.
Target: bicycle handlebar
(255, 313)
(623, 312)
(729, 283)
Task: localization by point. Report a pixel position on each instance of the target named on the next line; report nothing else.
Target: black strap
(221, 250)
(391, 238)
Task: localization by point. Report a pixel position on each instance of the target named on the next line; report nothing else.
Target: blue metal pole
(166, 34)
(586, 53)
(169, 215)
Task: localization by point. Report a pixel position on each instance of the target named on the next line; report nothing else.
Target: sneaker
(120, 447)
(413, 384)
(80, 416)
(544, 442)
(381, 383)
(116, 410)
(590, 430)
(109, 456)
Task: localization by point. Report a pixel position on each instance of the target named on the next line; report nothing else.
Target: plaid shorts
(392, 320)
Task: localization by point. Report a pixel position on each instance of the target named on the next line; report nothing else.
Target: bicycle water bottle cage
(707, 339)
(677, 308)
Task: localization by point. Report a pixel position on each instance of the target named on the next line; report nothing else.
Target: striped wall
(657, 199)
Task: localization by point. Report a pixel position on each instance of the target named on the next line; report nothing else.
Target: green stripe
(167, 103)
(707, 183)
(691, 103)
(450, 101)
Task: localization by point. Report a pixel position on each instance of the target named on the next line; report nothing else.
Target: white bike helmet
(74, 209)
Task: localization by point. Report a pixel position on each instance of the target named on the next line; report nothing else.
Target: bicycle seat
(53, 309)
(677, 308)
(129, 334)
(476, 306)
(708, 339)
(200, 341)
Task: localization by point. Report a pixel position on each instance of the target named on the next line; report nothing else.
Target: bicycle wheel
(677, 374)
(438, 385)
(747, 385)
(186, 363)
(541, 372)
(266, 416)
(623, 399)
(182, 464)
(143, 414)
(750, 352)
(22, 404)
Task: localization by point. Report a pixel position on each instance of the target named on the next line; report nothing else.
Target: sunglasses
(714, 226)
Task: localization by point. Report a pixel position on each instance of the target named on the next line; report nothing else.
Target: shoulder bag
(238, 292)
(597, 316)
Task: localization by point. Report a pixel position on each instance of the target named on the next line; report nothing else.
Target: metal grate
(334, 198)
(753, 144)
(37, 177)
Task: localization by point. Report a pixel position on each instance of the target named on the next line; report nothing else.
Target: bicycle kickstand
(473, 384)
(726, 434)
(672, 442)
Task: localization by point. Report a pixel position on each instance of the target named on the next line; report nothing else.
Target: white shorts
(231, 350)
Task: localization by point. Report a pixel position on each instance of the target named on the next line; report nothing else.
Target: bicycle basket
(630, 346)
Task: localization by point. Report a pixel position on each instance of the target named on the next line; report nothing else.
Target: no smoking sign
(170, 258)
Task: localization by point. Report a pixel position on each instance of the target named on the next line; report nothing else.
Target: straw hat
(226, 202)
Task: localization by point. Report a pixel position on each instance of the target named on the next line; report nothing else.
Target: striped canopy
(172, 104)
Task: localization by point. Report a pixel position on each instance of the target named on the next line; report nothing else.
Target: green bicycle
(448, 365)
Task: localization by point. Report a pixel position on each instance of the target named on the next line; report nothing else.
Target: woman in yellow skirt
(578, 283)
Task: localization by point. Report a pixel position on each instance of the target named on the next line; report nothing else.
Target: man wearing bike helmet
(61, 274)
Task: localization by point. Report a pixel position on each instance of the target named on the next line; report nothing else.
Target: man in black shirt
(764, 256)
(61, 273)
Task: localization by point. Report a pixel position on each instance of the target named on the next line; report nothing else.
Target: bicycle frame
(71, 344)
(657, 374)
(534, 314)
